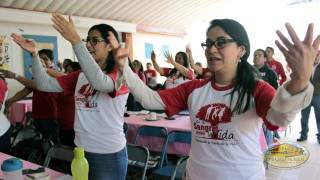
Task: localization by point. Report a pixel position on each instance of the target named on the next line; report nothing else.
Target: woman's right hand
(66, 28)
(189, 52)
(27, 44)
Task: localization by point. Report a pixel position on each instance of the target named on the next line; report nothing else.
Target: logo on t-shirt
(273, 67)
(85, 95)
(209, 119)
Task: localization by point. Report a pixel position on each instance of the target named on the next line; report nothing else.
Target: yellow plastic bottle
(79, 165)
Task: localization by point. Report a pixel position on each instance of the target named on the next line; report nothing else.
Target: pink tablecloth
(181, 123)
(18, 109)
(29, 165)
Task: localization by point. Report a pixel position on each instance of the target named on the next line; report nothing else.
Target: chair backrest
(175, 136)
(25, 134)
(26, 117)
(138, 155)
(125, 128)
(61, 152)
(180, 167)
(152, 131)
(15, 129)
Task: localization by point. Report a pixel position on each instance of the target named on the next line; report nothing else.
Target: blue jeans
(108, 166)
(315, 102)
(269, 135)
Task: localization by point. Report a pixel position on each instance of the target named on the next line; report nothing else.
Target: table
(29, 165)
(181, 123)
(18, 109)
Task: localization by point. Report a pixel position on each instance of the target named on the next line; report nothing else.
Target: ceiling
(176, 15)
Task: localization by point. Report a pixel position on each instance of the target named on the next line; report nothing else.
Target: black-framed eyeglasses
(93, 41)
(219, 43)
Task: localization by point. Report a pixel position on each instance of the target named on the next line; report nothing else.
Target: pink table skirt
(181, 123)
(29, 165)
(18, 109)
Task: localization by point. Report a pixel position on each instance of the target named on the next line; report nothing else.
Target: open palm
(26, 44)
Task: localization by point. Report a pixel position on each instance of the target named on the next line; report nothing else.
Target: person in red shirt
(151, 73)
(66, 107)
(275, 65)
(44, 106)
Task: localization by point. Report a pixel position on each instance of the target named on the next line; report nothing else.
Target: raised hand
(66, 28)
(300, 56)
(188, 51)
(27, 44)
(60, 65)
(153, 56)
(169, 57)
(120, 54)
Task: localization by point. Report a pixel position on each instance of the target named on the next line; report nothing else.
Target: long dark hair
(185, 64)
(103, 29)
(246, 75)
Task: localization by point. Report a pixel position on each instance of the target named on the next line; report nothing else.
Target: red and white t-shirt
(174, 80)
(152, 73)
(4, 123)
(224, 145)
(98, 121)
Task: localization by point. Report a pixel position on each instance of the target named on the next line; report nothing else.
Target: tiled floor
(311, 169)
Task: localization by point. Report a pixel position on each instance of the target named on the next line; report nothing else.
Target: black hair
(264, 52)
(270, 48)
(68, 60)
(141, 70)
(185, 64)
(199, 63)
(74, 65)
(47, 52)
(246, 74)
(104, 29)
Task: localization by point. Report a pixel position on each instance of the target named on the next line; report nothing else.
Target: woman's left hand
(300, 56)
(66, 28)
(169, 57)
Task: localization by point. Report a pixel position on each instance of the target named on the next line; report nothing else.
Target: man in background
(269, 76)
(275, 65)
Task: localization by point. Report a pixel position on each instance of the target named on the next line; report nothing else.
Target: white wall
(176, 44)
(64, 47)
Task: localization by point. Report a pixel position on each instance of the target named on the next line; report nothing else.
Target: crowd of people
(83, 103)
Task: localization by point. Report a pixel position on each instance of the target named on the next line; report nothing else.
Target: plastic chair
(138, 156)
(168, 169)
(60, 152)
(153, 131)
(26, 134)
(125, 128)
(180, 168)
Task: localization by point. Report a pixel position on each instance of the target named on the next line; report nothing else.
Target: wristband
(16, 76)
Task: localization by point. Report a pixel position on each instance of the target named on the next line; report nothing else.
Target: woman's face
(135, 65)
(69, 70)
(99, 51)
(226, 59)
(179, 59)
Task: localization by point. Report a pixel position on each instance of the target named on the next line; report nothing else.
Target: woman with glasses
(179, 74)
(227, 111)
(99, 106)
